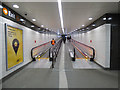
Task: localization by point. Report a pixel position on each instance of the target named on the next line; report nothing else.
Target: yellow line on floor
(83, 58)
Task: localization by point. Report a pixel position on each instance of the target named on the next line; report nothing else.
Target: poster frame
(7, 69)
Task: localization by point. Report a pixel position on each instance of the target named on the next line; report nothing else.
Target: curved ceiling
(75, 14)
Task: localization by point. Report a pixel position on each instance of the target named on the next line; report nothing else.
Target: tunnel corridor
(65, 74)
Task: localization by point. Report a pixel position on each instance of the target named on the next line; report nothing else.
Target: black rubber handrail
(54, 50)
(39, 46)
(92, 59)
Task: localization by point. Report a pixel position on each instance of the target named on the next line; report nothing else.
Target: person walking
(53, 59)
(53, 42)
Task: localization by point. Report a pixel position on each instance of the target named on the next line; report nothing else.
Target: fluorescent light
(90, 18)
(34, 20)
(42, 25)
(93, 25)
(110, 18)
(15, 6)
(43, 30)
(47, 28)
(1, 6)
(22, 20)
(104, 18)
(32, 26)
(61, 15)
(87, 28)
(83, 25)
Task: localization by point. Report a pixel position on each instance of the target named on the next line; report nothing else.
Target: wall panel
(29, 37)
(100, 37)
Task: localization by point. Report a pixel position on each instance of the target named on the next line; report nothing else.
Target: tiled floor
(78, 74)
(42, 63)
(85, 64)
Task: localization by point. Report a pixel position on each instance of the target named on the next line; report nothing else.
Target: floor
(66, 74)
(40, 63)
(85, 64)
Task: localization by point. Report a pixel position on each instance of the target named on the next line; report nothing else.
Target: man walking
(53, 42)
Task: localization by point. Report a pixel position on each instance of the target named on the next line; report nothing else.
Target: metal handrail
(93, 55)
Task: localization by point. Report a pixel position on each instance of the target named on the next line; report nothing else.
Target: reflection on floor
(42, 63)
(38, 75)
(33, 78)
(92, 78)
(85, 64)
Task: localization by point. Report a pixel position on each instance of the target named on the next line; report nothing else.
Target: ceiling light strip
(60, 13)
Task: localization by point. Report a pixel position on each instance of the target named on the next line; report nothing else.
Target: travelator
(53, 52)
(87, 51)
(39, 51)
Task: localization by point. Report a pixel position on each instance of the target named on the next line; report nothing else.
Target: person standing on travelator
(64, 39)
(53, 42)
(53, 59)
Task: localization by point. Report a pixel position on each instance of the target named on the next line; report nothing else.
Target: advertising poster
(14, 46)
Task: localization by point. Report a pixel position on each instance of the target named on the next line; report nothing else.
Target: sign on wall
(11, 14)
(14, 46)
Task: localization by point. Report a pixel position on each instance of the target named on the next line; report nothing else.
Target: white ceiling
(45, 13)
(74, 13)
(61, 0)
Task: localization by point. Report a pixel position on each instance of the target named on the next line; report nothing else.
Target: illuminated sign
(8, 13)
(5, 11)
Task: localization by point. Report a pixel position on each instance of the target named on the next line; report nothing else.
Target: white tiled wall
(0, 49)
(100, 37)
(29, 37)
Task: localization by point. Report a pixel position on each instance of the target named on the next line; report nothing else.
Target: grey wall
(100, 37)
(1, 31)
(29, 36)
